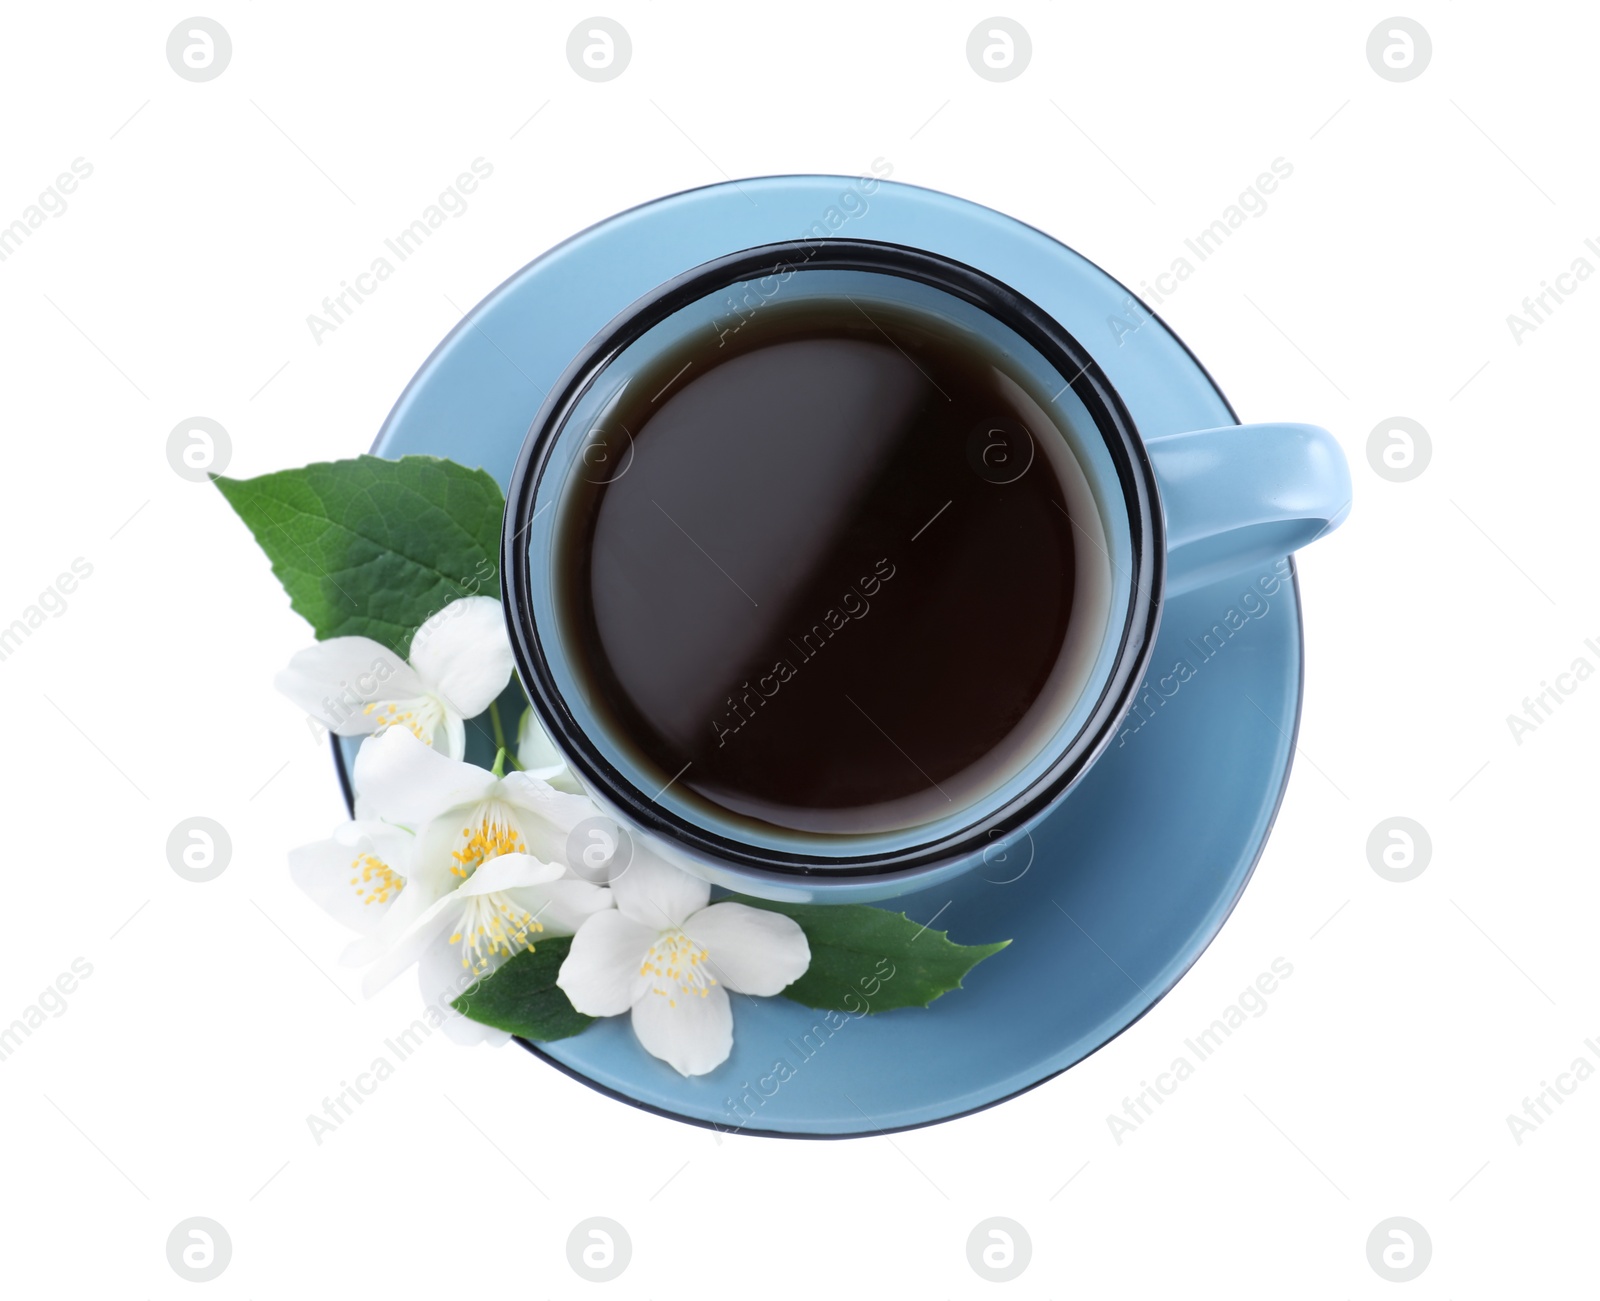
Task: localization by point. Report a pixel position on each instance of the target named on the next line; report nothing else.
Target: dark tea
(848, 578)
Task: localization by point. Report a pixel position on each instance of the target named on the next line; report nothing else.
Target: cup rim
(1136, 478)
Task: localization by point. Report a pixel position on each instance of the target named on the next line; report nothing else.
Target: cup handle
(1243, 495)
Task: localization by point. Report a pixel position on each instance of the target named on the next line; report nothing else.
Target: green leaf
(522, 997)
(372, 548)
(872, 959)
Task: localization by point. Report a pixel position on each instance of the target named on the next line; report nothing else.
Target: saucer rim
(341, 765)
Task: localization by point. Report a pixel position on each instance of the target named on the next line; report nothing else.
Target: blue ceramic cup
(1158, 517)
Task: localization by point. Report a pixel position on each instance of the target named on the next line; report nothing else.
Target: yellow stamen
(490, 837)
(419, 717)
(375, 881)
(677, 964)
(492, 927)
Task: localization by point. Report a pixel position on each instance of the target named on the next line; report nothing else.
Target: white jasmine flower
(538, 757)
(671, 960)
(488, 872)
(460, 661)
(356, 875)
(506, 906)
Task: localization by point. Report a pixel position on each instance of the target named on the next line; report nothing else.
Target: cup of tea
(832, 565)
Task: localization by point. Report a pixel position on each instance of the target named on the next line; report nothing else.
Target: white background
(178, 282)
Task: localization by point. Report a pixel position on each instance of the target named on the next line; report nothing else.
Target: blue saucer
(1130, 877)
